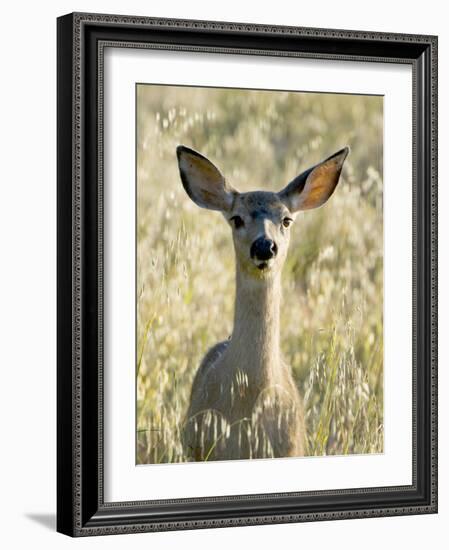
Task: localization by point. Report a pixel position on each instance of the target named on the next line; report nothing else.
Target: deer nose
(263, 249)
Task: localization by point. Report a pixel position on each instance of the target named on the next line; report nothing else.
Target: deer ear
(203, 182)
(313, 187)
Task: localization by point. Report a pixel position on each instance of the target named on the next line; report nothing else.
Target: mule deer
(244, 401)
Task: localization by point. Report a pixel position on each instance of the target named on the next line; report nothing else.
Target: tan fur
(246, 378)
(244, 401)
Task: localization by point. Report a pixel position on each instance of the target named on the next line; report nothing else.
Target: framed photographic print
(247, 279)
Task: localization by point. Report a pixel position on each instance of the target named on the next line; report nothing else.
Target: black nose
(263, 249)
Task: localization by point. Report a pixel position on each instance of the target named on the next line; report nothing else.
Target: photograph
(223, 313)
(259, 274)
(246, 273)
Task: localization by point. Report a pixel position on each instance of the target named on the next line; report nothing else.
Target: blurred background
(331, 323)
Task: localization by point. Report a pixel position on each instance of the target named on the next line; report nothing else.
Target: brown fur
(244, 401)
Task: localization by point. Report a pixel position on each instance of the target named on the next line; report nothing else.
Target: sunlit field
(331, 317)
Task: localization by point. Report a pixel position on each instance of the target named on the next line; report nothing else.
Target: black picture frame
(81, 509)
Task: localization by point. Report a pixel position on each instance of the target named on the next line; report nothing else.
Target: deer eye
(286, 222)
(238, 221)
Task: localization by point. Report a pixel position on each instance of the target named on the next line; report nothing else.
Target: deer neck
(254, 346)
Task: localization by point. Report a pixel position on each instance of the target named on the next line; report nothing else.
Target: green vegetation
(331, 320)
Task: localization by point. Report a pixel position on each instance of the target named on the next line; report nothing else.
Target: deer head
(260, 220)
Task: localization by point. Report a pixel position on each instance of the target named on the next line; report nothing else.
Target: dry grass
(332, 323)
